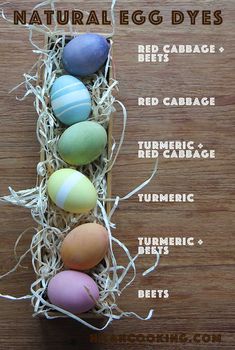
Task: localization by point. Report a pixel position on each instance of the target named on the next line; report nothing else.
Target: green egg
(82, 143)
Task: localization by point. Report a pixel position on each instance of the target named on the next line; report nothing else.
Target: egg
(85, 246)
(70, 100)
(82, 143)
(72, 191)
(73, 291)
(85, 54)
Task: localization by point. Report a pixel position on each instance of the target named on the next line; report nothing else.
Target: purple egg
(85, 54)
(73, 291)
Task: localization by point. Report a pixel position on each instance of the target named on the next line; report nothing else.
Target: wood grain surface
(200, 279)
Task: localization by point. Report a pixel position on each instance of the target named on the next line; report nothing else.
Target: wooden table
(199, 278)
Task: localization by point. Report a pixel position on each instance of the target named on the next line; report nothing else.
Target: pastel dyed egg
(70, 100)
(73, 291)
(85, 54)
(85, 246)
(72, 191)
(82, 143)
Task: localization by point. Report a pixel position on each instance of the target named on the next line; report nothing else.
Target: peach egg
(85, 246)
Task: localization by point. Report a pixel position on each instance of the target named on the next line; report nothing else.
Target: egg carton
(49, 169)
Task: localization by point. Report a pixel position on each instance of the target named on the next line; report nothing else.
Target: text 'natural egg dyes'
(72, 191)
(73, 291)
(70, 100)
(82, 143)
(85, 54)
(85, 246)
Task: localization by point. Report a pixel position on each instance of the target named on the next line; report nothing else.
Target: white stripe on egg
(66, 188)
(68, 109)
(65, 88)
(70, 98)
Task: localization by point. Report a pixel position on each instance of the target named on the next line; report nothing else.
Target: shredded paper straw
(52, 223)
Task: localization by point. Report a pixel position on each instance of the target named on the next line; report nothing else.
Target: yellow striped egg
(72, 191)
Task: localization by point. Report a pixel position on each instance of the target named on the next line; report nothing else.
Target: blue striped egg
(70, 100)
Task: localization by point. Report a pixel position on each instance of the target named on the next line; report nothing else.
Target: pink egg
(73, 291)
